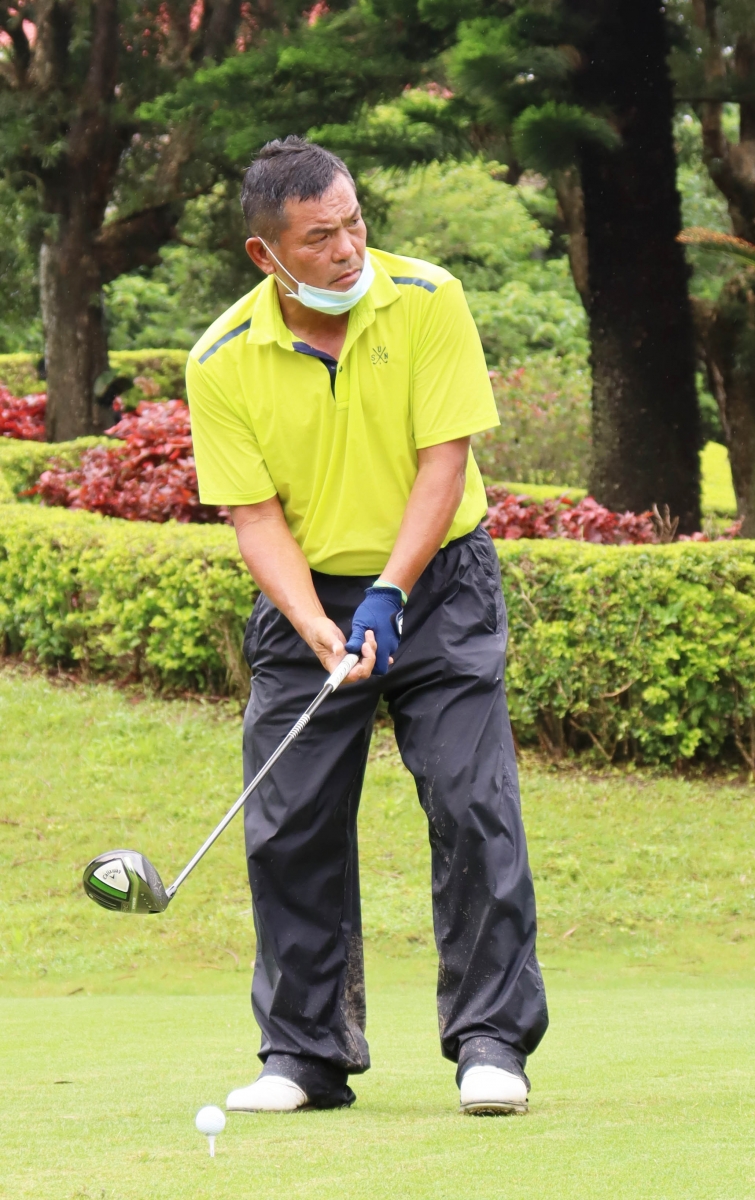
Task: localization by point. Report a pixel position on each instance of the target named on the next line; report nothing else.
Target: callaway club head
(125, 881)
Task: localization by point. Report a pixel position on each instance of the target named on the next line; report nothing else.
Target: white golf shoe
(269, 1093)
(490, 1091)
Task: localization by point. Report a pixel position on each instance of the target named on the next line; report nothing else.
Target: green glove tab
(383, 583)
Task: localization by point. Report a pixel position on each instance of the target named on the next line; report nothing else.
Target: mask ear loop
(293, 295)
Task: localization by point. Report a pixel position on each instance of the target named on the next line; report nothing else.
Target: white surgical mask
(325, 300)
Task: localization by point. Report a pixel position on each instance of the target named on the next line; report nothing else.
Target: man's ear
(257, 251)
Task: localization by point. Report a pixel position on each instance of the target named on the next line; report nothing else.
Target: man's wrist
(387, 584)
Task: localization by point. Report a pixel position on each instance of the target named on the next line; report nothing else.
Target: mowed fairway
(115, 1030)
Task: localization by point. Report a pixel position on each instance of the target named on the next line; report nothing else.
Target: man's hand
(380, 613)
(324, 637)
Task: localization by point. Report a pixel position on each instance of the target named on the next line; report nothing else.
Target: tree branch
(135, 241)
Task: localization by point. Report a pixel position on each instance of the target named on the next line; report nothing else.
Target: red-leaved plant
(22, 416)
(150, 476)
(515, 516)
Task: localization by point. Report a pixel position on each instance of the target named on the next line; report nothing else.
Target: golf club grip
(334, 680)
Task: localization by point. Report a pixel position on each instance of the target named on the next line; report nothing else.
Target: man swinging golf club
(332, 410)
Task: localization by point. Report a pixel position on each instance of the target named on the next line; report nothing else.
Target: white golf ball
(210, 1120)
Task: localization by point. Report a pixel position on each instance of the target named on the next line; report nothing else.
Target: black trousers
(446, 695)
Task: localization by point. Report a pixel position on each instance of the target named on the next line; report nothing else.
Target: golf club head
(125, 881)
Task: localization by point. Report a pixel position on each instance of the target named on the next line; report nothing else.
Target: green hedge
(642, 652)
(21, 463)
(165, 368)
(645, 653)
(163, 603)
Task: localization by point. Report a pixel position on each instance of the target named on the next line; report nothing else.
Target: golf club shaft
(333, 681)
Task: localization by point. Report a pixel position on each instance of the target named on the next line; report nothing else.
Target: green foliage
(718, 490)
(703, 205)
(157, 374)
(544, 436)
(553, 136)
(197, 279)
(21, 463)
(465, 217)
(645, 653)
(299, 76)
(166, 603)
(521, 320)
(19, 373)
(421, 126)
(520, 73)
(642, 653)
(160, 373)
(20, 230)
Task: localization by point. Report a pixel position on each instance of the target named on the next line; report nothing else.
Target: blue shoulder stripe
(423, 283)
(225, 338)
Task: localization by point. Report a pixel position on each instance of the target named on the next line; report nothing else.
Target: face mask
(325, 300)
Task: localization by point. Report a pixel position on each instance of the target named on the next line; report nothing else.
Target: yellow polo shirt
(339, 444)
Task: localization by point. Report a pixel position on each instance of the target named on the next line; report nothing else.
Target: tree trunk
(75, 340)
(73, 270)
(646, 435)
(726, 333)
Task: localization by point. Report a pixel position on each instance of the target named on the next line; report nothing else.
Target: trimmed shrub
(630, 652)
(639, 652)
(161, 603)
(21, 462)
(19, 373)
(157, 374)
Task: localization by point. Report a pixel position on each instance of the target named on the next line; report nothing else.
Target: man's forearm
(276, 562)
(430, 510)
(278, 566)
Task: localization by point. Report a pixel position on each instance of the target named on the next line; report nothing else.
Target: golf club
(126, 881)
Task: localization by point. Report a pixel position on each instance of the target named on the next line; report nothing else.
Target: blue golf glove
(382, 611)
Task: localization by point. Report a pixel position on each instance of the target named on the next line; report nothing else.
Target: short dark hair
(284, 170)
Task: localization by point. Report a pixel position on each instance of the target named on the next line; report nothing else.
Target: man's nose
(343, 247)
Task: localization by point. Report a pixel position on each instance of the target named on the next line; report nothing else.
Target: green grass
(644, 1086)
(718, 490)
(637, 1092)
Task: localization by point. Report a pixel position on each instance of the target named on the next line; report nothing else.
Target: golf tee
(211, 1140)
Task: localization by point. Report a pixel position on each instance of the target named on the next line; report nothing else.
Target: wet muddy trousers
(446, 696)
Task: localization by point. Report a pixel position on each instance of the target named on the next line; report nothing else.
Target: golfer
(332, 409)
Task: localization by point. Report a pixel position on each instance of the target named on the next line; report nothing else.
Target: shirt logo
(379, 355)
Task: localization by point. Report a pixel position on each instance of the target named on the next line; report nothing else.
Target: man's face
(323, 242)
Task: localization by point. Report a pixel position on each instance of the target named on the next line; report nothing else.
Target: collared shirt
(338, 441)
